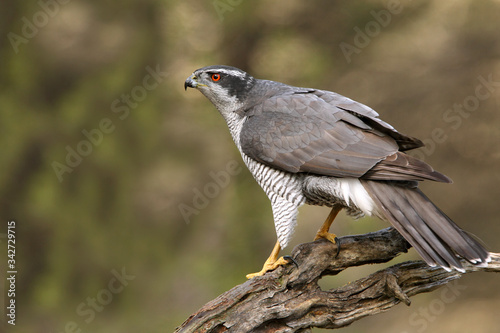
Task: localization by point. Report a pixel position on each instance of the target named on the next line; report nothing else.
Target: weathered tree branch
(290, 300)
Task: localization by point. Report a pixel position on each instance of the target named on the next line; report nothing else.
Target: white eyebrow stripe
(229, 72)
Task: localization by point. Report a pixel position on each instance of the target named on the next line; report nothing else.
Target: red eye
(216, 77)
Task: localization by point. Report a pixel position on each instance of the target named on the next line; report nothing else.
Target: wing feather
(327, 134)
(370, 117)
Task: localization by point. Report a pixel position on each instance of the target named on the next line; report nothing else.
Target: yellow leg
(324, 231)
(271, 263)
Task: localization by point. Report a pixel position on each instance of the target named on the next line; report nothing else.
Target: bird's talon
(328, 236)
(290, 259)
(337, 242)
(270, 266)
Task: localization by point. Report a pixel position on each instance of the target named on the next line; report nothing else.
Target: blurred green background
(104, 155)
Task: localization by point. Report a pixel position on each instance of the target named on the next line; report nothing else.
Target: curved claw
(290, 259)
(337, 242)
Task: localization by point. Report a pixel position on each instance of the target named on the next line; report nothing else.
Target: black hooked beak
(190, 82)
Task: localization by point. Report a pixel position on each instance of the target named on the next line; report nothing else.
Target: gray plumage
(317, 147)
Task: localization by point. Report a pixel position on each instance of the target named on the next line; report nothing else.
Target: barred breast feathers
(285, 192)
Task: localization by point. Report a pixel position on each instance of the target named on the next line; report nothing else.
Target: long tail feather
(433, 234)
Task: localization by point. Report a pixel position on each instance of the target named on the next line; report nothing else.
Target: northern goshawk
(310, 146)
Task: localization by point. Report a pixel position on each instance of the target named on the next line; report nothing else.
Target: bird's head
(226, 87)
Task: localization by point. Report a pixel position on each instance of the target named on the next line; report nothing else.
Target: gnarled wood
(290, 300)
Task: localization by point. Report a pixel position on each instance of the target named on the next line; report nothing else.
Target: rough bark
(289, 299)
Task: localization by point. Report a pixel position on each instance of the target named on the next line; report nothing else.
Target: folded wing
(324, 133)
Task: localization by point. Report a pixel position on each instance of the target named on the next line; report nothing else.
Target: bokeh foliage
(119, 206)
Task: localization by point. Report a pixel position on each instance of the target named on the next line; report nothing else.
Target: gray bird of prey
(316, 147)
